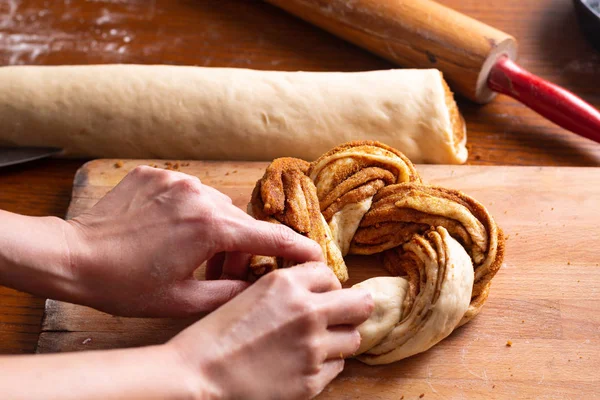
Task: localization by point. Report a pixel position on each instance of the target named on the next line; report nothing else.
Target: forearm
(34, 255)
(144, 373)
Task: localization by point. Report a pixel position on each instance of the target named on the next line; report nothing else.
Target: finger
(315, 276)
(236, 266)
(341, 342)
(217, 194)
(347, 306)
(214, 266)
(267, 239)
(193, 297)
(328, 372)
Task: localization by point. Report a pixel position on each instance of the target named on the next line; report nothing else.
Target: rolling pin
(477, 60)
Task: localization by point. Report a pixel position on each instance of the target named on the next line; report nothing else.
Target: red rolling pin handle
(558, 105)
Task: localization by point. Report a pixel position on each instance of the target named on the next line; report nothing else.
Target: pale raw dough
(177, 112)
(344, 223)
(334, 255)
(431, 319)
(388, 294)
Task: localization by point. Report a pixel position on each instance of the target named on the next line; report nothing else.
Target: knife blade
(18, 155)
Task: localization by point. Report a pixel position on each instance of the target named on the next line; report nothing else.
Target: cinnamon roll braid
(437, 295)
(442, 247)
(286, 195)
(399, 211)
(348, 176)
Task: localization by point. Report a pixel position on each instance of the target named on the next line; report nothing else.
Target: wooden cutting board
(545, 299)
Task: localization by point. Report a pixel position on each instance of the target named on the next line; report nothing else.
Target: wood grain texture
(414, 34)
(20, 321)
(253, 34)
(545, 299)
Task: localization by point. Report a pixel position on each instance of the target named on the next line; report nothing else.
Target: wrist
(193, 370)
(170, 378)
(149, 373)
(34, 254)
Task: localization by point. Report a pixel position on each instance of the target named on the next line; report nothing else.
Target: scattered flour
(27, 34)
(587, 65)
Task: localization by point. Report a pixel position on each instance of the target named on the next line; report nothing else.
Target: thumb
(268, 239)
(195, 297)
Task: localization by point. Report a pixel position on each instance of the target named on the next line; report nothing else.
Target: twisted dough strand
(432, 311)
(285, 195)
(367, 198)
(414, 208)
(347, 178)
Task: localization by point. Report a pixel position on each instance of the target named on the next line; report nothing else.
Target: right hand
(285, 337)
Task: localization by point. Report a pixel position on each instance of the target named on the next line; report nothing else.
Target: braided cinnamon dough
(442, 247)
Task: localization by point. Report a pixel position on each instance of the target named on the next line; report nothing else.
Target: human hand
(283, 338)
(134, 252)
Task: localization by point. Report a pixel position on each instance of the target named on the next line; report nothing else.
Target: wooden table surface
(252, 34)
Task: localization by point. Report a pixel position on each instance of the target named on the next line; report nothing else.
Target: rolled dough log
(179, 112)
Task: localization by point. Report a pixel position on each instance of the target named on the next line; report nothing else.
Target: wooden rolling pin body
(415, 33)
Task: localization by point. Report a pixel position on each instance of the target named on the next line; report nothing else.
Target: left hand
(134, 252)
